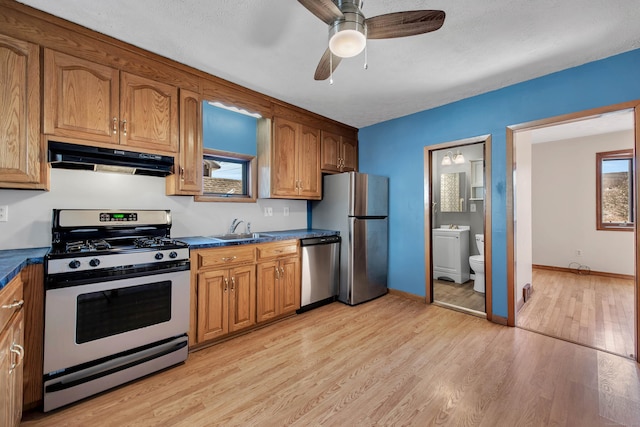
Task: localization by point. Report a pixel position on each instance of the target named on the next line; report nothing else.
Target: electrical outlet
(472, 207)
(286, 211)
(4, 213)
(269, 211)
(266, 211)
(578, 252)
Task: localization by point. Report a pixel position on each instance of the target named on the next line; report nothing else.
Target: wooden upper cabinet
(339, 153)
(309, 176)
(284, 173)
(22, 163)
(80, 98)
(188, 163)
(294, 163)
(101, 104)
(148, 113)
(349, 154)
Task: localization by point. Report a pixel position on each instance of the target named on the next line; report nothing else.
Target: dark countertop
(14, 260)
(201, 242)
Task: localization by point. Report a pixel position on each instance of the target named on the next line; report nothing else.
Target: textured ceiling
(273, 47)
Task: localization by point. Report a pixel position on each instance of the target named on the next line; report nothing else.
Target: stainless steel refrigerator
(357, 205)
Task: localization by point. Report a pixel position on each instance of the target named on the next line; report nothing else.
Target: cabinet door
(284, 181)
(148, 114)
(16, 374)
(5, 377)
(213, 319)
(289, 283)
(309, 176)
(267, 291)
(330, 152)
(80, 98)
(242, 298)
(349, 154)
(21, 161)
(11, 372)
(187, 179)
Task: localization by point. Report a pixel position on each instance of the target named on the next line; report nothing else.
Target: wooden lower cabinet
(236, 287)
(226, 301)
(278, 288)
(279, 279)
(11, 353)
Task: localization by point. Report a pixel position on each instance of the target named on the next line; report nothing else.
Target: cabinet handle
(277, 273)
(226, 284)
(233, 283)
(281, 272)
(115, 125)
(14, 304)
(182, 173)
(228, 258)
(18, 350)
(124, 127)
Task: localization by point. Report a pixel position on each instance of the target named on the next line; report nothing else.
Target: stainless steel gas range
(116, 301)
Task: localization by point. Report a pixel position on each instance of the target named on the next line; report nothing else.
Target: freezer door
(370, 195)
(366, 277)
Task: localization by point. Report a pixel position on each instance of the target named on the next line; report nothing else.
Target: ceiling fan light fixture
(347, 36)
(347, 43)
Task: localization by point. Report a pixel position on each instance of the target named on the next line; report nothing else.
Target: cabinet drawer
(225, 256)
(276, 250)
(10, 300)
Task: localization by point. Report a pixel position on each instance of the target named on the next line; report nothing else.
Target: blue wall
(228, 131)
(395, 149)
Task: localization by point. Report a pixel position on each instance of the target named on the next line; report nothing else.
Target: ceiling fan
(349, 29)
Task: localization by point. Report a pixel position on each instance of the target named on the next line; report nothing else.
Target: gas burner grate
(87, 246)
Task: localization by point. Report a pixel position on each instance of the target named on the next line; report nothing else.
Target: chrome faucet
(234, 224)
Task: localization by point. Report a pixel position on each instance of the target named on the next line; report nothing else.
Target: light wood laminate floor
(592, 310)
(389, 362)
(461, 295)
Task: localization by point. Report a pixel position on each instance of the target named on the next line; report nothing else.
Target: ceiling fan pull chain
(331, 68)
(366, 62)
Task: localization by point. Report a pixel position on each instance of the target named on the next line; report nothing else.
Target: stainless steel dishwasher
(320, 271)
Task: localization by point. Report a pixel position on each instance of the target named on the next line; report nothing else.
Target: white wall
(29, 222)
(523, 220)
(564, 206)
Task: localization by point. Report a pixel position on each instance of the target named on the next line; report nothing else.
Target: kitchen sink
(238, 237)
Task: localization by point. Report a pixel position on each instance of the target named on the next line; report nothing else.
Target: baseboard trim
(407, 295)
(592, 272)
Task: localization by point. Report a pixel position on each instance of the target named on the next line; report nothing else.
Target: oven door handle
(116, 365)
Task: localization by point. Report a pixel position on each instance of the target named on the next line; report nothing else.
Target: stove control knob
(173, 254)
(94, 262)
(74, 264)
(159, 255)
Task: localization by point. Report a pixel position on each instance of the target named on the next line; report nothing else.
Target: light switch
(4, 213)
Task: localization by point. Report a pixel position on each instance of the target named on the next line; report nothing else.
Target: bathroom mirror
(452, 192)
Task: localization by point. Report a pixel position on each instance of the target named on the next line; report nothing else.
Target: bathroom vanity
(450, 251)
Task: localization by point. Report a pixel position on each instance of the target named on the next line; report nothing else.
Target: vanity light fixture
(451, 158)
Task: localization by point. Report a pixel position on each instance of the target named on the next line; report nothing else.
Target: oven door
(91, 321)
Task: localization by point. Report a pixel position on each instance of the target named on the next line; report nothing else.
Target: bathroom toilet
(476, 262)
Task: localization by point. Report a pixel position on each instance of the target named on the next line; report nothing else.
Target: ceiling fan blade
(403, 24)
(324, 66)
(326, 10)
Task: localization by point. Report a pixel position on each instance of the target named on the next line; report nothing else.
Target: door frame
(428, 223)
(511, 208)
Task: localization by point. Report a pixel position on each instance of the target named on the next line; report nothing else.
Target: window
(227, 177)
(614, 190)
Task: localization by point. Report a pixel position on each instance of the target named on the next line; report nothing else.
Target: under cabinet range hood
(72, 156)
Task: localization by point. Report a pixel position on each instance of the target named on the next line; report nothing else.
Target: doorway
(569, 278)
(457, 225)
